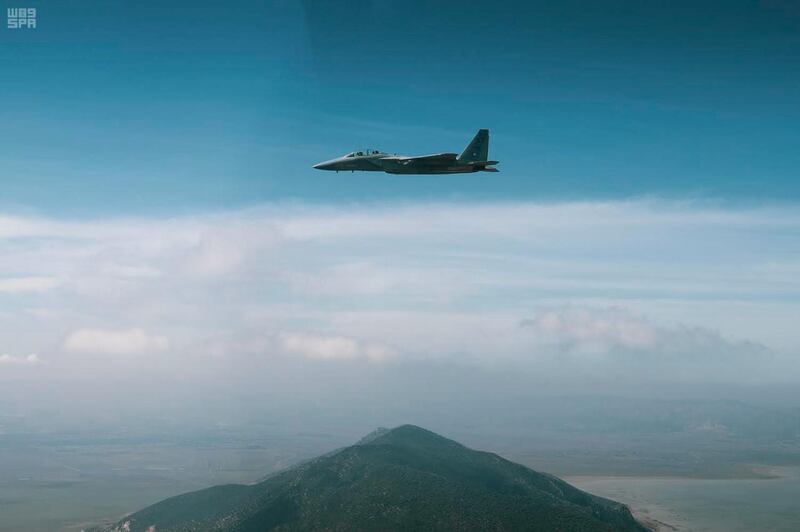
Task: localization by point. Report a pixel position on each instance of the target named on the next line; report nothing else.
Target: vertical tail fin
(478, 149)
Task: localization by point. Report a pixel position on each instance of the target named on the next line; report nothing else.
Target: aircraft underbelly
(397, 167)
(431, 169)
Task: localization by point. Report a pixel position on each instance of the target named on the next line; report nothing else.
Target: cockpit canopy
(364, 153)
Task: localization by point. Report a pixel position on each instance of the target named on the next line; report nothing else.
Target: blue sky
(135, 108)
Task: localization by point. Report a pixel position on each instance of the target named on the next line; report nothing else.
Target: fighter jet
(474, 158)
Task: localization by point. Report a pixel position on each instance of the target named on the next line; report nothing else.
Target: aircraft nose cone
(333, 164)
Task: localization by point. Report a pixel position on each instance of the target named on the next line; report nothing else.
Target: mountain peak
(407, 436)
(369, 438)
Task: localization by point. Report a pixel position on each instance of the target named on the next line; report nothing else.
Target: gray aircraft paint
(474, 158)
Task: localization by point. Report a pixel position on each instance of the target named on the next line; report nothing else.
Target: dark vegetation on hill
(406, 478)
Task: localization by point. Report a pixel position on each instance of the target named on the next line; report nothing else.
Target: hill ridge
(405, 478)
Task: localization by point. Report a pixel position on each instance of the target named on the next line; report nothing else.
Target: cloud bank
(334, 348)
(6, 359)
(615, 292)
(18, 285)
(114, 342)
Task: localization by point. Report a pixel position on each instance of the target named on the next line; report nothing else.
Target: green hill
(406, 478)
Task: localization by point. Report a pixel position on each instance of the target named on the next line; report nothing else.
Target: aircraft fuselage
(472, 159)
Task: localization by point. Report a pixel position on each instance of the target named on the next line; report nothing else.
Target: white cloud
(612, 342)
(19, 360)
(319, 347)
(114, 341)
(215, 255)
(560, 339)
(17, 285)
(588, 329)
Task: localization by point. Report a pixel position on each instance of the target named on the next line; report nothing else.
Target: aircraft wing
(431, 159)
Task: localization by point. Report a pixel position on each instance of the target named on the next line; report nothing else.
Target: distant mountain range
(405, 478)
